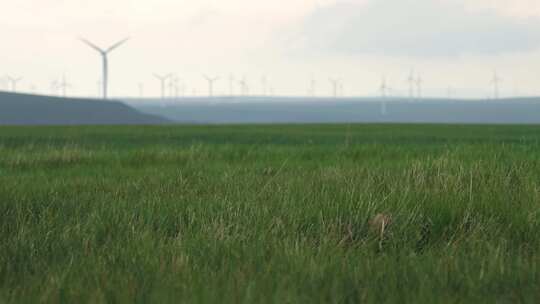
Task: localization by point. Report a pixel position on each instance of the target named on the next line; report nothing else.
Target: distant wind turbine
(496, 82)
(412, 82)
(183, 89)
(104, 55)
(176, 85)
(384, 91)
(63, 85)
(419, 83)
(54, 87)
(211, 81)
(13, 81)
(335, 86)
(162, 79)
(173, 83)
(312, 87)
(244, 87)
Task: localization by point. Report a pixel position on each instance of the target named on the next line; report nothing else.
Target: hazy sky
(452, 43)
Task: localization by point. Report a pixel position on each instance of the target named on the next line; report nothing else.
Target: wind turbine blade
(116, 45)
(90, 44)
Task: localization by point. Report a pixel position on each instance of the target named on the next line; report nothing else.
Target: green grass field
(270, 214)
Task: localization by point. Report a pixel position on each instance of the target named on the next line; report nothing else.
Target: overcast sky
(451, 43)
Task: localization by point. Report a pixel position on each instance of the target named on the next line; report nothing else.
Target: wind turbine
(384, 89)
(104, 55)
(183, 89)
(496, 81)
(419, 83)
(173, 90)
(162, 79)
(211, 82)
(244, 87)
(14, 81)
(312, 87)
(335, 86)
(54, 87)
(141, 90)
(63, 85)
(411, 81)
(176, 87)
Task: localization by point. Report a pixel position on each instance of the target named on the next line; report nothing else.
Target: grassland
(270, 214)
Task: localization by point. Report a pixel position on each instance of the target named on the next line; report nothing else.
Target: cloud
(416, 28)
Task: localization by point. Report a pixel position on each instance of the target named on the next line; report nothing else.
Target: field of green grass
(270, 214)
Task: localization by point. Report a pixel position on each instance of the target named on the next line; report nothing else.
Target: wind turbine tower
(63, 85)
(105, 61)
(13, 81)
(496, 82)
(384, 91)
(411, 81)
(173, 86)
(312, 87)
(183, 89)
(244, 87)
(211, 81)
(162, 79)
(419, 83)
(176, 84)
(54, 87)
(141, 90)
(335, 86)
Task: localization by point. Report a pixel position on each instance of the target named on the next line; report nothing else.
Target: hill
(344, 110)
(22, 109)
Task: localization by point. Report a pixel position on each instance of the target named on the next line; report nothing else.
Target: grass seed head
(380, 222)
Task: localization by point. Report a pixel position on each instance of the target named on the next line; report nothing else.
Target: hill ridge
(28, 109)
